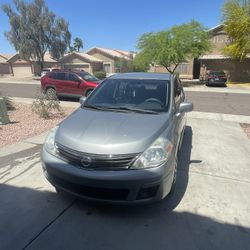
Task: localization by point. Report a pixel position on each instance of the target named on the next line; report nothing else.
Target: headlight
(49, 143)
(158, 153)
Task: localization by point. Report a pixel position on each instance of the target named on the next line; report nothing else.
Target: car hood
(104, 132)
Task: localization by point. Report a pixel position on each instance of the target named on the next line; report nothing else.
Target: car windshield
(88, 77)
(131, 95)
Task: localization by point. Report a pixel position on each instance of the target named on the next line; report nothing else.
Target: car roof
(70, 71)
(142, 75)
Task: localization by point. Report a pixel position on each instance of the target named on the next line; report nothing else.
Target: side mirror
(185, 107)
(82, 99)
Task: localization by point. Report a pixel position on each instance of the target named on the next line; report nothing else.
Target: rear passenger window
(53, 75)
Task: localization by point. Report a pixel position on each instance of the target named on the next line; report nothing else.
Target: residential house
(4, 65)
(216, 60)
(81, 61)
(113, 60)
(24, 68)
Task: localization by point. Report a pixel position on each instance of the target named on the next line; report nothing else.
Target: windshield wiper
(122, 108)
(93, 107)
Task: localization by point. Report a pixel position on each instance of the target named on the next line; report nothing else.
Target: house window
(107, 67)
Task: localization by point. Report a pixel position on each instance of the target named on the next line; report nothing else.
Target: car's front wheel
(51, 93)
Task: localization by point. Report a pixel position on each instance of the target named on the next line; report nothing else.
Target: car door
(61, 82)
(179, 118)
(74, 84)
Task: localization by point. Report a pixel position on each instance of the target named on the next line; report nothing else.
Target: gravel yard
(25, 124)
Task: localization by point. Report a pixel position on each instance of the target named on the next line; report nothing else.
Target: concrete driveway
(210, 208)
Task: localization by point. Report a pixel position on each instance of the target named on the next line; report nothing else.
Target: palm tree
(78, 43)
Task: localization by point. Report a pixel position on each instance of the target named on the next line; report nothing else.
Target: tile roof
(207, 57)
(113, 52)
(214, 57)
(88, 57)
(7, 56)
(3, 59)
(49, 58)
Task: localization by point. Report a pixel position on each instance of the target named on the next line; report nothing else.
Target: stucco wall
(219, 41)
(105, 59)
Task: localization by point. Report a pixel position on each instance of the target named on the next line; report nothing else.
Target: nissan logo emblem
(86, 161)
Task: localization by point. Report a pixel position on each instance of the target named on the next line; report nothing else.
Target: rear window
(53, 75)
(88, 77)
(217, 73)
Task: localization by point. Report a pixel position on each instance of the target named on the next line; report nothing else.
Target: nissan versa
(122, 144)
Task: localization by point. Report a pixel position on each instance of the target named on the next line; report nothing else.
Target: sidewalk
(203, 88)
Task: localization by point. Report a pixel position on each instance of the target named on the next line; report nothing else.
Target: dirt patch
(25, 124)
(246, 128)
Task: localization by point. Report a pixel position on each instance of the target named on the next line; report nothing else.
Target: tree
(171, 47)
(34, 30)
(236, 16)
(78, 43)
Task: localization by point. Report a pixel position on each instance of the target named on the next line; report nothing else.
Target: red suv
(68, 83)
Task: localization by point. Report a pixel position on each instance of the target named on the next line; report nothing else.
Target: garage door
(22, 70)
(77, 67)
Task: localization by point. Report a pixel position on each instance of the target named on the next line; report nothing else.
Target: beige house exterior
(185, 69)
(96, 59)
(113, 60)
(216, 60)
(81, 61)
(15, 66)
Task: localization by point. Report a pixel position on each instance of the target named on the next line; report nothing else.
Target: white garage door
(22, 70)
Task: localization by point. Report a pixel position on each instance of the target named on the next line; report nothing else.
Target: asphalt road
(227, 103)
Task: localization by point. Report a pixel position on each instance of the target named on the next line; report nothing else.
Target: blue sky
(118, 24)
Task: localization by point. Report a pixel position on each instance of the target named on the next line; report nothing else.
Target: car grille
(97, 161)
(91, 192)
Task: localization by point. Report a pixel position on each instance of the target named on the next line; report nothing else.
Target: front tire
(174, 177)
(51, 93)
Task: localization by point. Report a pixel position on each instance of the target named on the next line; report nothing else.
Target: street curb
(23, 145)
(219, 117)
(217, 90)
(21, 82)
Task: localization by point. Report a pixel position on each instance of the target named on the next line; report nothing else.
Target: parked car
(46, 70)
(122, 144)
(68, 83)
(216, 78)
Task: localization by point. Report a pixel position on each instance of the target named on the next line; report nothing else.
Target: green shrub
(46, 107)
(8, 102)
(100, 74)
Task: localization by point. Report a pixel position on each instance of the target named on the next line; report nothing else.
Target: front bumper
(119, 186)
